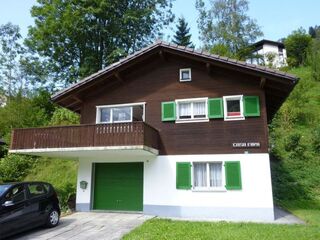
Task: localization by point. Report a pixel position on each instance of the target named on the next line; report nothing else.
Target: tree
(314, 32)
(78, 38)
(182, 36)
(297, 44)
(226, 22)
(11, 79)
(25, 111)
(63, 116)
(313, 59)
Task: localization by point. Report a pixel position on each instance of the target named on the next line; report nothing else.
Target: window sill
(114, 122)
(234, 119)
(222, 189)
(192, 120)
(185, 80)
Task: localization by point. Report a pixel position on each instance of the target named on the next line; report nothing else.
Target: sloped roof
(266, 41)
(171, 48)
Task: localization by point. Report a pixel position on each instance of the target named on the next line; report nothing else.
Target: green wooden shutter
(168, 111)
(251, 106)
(233, 175)
(215, 108)
(183, 176)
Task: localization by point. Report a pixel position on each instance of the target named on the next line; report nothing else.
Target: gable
(277, 85)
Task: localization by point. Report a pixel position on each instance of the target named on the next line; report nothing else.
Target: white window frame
(98, 111)
(180, 74)
(192, 119)
(233, 118)
(208, 188)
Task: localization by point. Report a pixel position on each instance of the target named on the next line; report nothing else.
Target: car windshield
(3, 188)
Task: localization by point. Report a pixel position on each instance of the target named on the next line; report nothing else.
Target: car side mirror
(8, 204)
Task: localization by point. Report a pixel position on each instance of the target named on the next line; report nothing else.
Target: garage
(118, 186)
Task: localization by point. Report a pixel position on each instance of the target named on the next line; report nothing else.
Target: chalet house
(169, 131)
(268, 53)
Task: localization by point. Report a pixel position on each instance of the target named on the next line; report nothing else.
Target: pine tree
(182, 36)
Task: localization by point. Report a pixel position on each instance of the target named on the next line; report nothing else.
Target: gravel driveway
(88, 225)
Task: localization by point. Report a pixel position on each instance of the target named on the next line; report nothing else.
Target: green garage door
(118, 186)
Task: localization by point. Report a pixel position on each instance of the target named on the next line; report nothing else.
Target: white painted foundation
(253, 202)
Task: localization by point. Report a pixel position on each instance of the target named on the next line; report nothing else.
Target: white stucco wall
(253, 202)
(279, 61)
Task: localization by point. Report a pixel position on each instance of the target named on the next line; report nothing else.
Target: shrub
(14, 168)
(316, 140)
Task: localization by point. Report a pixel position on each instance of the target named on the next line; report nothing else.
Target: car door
(13, 210)
(38, 202)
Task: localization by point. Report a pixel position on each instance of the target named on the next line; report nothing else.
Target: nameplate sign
(246, 145)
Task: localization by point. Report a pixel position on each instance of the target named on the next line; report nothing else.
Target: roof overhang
(270, 42)
(277, 84)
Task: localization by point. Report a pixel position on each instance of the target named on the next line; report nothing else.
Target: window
(185, 75)
(207, 175)
(233, 107)
(36, 190)
(120, 113)
(16, 195)
(192, 109)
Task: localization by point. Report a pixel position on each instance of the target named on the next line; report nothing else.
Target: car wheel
(53, 218)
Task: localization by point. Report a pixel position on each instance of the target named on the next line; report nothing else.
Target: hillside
(295, 143)
(62, 174)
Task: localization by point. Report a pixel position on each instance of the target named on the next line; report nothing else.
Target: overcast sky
(277, 18)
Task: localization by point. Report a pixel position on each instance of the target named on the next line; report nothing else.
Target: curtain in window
(199, 109)
(215, 174)
(184, 109)
(200, 174)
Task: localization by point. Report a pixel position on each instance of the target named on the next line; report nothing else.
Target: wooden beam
(262, 82)
(71, 104)
(208, 67)
(77, 98)
(162, 55)
(118, 76)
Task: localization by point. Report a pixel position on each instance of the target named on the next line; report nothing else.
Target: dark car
(27, 205)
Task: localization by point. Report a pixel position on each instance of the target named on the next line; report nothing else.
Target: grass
(169, 229)
(62, 174)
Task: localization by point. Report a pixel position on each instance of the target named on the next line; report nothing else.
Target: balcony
(97, 140)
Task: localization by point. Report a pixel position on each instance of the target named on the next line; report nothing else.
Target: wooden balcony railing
(97, 135)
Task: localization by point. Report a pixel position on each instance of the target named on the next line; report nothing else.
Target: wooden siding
(158, 81)
(96, 135)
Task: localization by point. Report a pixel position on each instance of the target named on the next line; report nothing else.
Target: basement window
(185, 75)
(121, 113)
(233, 107)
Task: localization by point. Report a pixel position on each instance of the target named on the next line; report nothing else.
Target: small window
(233, 107)
(36, 190)
(185, 74)
(207, 175)
(192, 109)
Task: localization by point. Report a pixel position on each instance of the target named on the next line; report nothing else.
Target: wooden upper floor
(193, 105)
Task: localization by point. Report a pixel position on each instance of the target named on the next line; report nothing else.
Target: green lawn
(168, 229)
